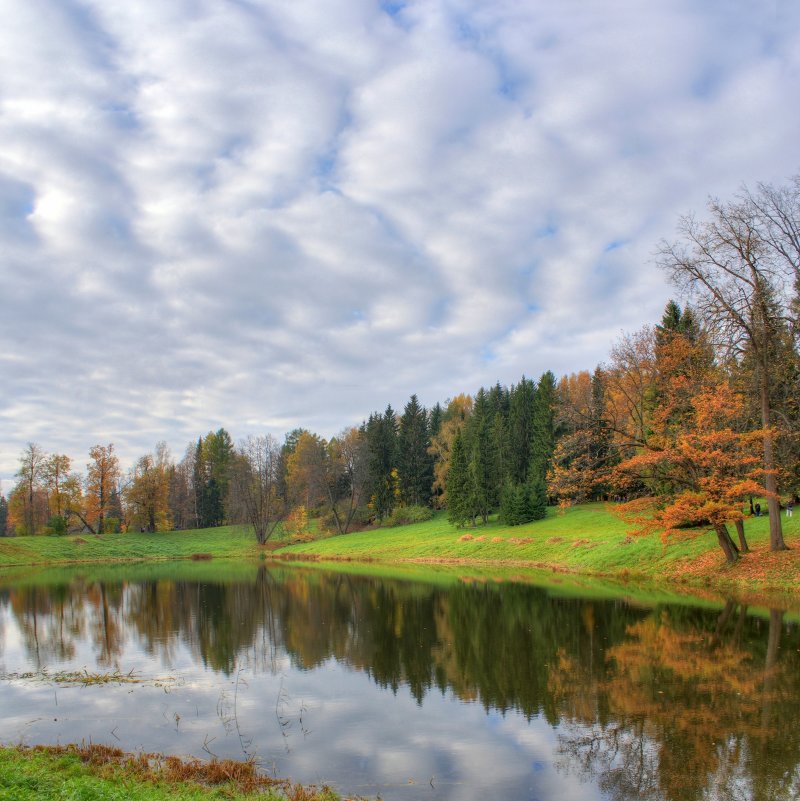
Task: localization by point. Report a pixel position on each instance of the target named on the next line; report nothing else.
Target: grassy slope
(587, 539)
(226, 542)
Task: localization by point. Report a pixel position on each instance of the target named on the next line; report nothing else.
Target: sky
(263, 214)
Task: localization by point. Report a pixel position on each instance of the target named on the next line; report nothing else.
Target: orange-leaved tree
(701, 474)
(102, 479)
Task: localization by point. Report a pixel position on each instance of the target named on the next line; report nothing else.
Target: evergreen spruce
(213, 461)
(671, 323)
(543, 434)
(460, 486)
(536, 499)
(512, 504)
(520, 420)
(435, 420)
(414, 463)
(381, 434)
(481, 457)
(500, 450)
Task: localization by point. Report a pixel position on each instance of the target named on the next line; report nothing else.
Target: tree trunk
(727, 544)
(737, 633)
(722, 621)
(773, 646)
(742, 541)
(776, 542)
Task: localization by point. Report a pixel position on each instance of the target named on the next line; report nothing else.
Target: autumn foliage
(708, 468)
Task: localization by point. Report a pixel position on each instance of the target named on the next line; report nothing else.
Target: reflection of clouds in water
(332, 724)
(407, 745)
(238, 689)
(355, 731)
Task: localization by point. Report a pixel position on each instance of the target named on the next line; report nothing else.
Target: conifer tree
(435, 420)
(212, 470)
(414, 462)
(520, 419)
(481, 457)
(500, 450)
(512, 504)
(536, 498)
(461, 505)
(381, 433)
(543, 434)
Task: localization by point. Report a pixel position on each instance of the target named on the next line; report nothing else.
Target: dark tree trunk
(776, 542)
(727, 544)
(722, 621)
(773, 646)
(742, 541)
(737, 632)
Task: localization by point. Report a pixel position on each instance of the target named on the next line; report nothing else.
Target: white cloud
(267, 214)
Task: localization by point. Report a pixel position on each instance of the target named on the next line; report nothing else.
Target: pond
(405, 689)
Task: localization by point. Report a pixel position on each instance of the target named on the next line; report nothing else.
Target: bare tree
(255, 488)
(347, 476)
(738, 264)
(31, 473)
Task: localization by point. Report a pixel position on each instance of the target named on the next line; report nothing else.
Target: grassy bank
(588, 539)
(106, 774)
(226, 542)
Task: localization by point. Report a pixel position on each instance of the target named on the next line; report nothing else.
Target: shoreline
(588, 541)
(53, 772)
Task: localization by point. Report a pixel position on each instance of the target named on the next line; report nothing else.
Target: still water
(407, 689)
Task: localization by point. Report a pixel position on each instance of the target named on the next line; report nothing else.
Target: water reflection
(517, 693)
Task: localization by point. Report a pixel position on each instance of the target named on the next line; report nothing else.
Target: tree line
(689, 423)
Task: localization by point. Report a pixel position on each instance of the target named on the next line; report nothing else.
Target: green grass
(230, 542)
(585, 537)
(588, 539)
(96, 773)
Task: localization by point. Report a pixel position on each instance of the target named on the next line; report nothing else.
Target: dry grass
(238, 776)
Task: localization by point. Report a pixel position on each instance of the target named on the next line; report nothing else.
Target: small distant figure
(789, 507)
(758, 510)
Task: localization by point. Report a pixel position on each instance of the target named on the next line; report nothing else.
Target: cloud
(263, 215)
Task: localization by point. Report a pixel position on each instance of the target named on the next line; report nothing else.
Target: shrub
(296, 522)
(405, 515)
(57, 526)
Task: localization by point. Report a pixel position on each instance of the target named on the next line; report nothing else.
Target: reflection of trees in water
(673, 703)
(4, 604)
(699, 709)
(50, 620)
(620, 757)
